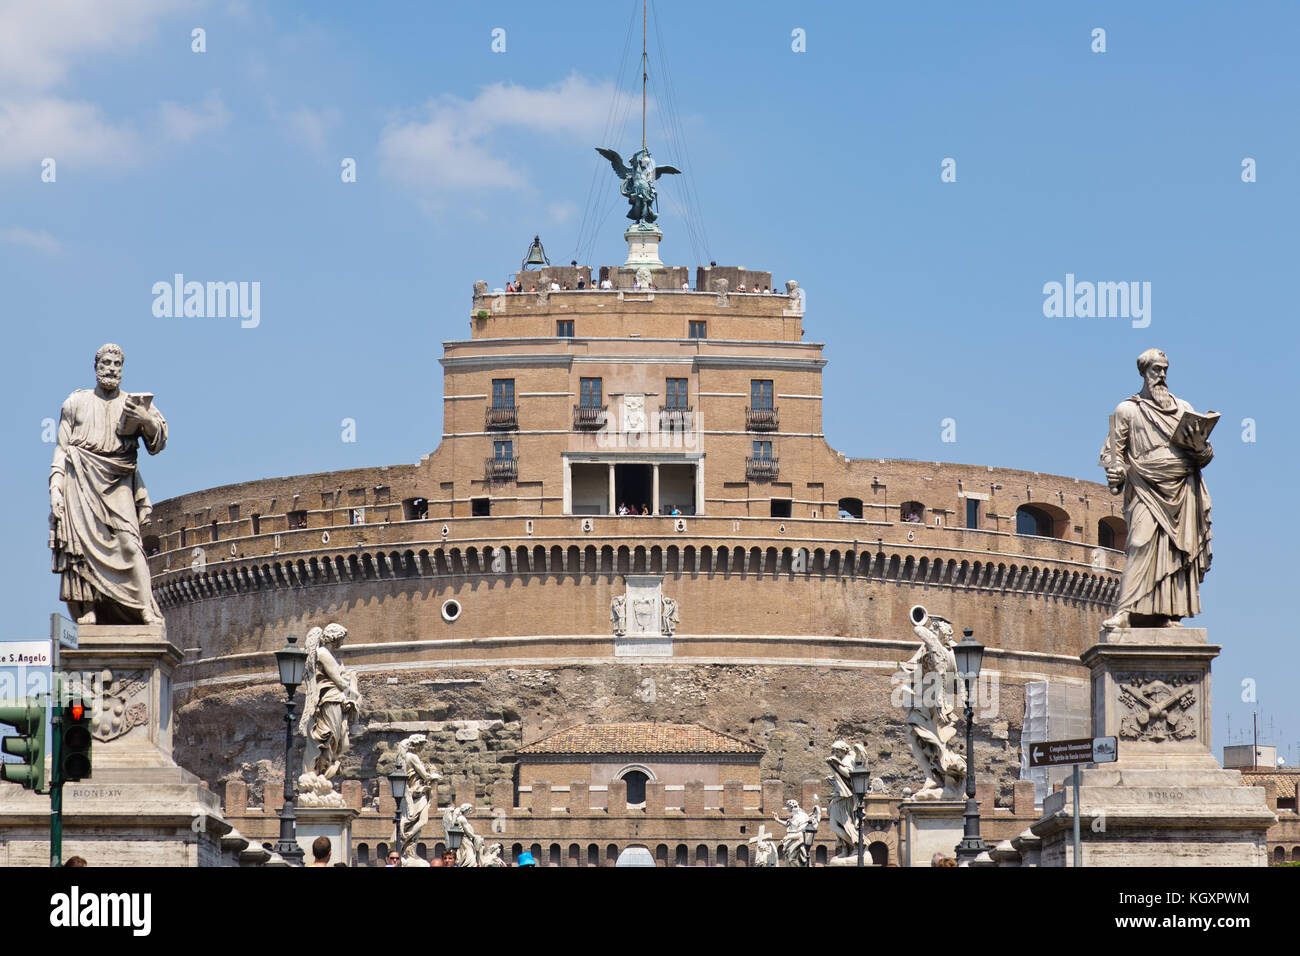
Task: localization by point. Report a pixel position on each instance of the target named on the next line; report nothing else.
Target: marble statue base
(643, 246)
(1165, 801)
(138, 808)
(929, 827)
(332, 822)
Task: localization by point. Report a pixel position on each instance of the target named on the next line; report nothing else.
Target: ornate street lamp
(858, 778)
(454, 837)
(291, 660)
(397, 784)
(970, 655)
(809, 834)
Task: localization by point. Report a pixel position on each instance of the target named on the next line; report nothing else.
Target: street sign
(1063, 753)
(63, 632)
(24, 669)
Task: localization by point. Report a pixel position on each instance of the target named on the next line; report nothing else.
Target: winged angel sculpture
(638, 182)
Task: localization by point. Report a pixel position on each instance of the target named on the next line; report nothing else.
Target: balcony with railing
(501, 469)
(761, 468)
(589, 417)
(504, 416)
(675, 418)
(761, 419)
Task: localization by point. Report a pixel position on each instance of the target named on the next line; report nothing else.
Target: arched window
(682, 856)
(742, 855)
(1279, 855)
(701, 855)
(611, 854)
(820, 858)
(554, 856)
(850, 508)
(516, 851)
(912, 512)
(661, 855)
(1044, 521)
(363, 854)
(593, 855)
(721, 856)
(879, 853)
(422, 851)
(381, 854)
(1112, 532)
(636, 781)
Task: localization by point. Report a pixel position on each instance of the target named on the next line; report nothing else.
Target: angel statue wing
(663, 170)
(616, 161)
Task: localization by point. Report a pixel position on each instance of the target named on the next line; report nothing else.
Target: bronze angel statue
(638, 182)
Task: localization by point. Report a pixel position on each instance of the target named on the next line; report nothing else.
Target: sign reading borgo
(1062, 753)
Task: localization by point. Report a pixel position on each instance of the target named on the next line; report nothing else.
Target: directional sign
(63, 631)
(1062, 753)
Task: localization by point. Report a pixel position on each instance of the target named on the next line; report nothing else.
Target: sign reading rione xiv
(211, 300)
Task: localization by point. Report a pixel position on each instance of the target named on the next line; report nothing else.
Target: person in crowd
(320, 851)
(645, 509)
(605, 283)
(676, 512)
(622, 508)
(686, 286)
(526, 859)
(394, 859)
(582, 283)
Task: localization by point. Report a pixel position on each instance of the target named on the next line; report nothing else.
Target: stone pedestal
(1165, 801)
(930, 827)
(138, 808)
(332, 822)
(643, 246)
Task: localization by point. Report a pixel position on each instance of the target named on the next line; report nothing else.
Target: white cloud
(40, 46)
(313, 126)
(184, 123)
(561, 212)
(447, 146)
(40, 241)
(74, 133)
(40, 42)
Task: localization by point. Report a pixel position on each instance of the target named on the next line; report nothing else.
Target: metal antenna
(644, 75)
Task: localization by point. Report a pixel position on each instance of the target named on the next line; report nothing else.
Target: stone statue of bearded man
(1154, 459)
(98, 499)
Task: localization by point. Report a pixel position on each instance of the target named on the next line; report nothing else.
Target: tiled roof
(1285, 779)
(639, 739)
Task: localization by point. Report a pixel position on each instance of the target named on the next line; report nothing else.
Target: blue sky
(822, 166)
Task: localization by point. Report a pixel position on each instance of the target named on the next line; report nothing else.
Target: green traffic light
(28, 718)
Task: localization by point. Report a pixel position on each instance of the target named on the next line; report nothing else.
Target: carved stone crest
(113, 711)
(634, 419)
(1158, 707)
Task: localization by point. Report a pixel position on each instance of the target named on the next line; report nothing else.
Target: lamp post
(397, 784)
(809, 834)
(969, 654)
(454, 837)
(291, 660)
(858, 778)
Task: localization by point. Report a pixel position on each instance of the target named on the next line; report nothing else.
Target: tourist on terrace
(622, 508)
(606, 284)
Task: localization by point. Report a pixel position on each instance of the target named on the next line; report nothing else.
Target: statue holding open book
(1153, 455)
(98, 499)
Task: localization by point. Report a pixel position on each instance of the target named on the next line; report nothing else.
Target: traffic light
(74, 752)
(27, 716)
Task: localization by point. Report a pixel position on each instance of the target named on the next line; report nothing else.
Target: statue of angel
(796, 854)
(330, 704)
(471, 845)
(419, 780)
(926, 686)
(638, 182)
(842, 761)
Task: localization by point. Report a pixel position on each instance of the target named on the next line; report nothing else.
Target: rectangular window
(761, 393)
(503, 393)
(780, 507)
(676, 393)
(480, 507)
(297, 519)
(356, 516)
(214, 531)
(699, 330)
(590, 393)
(972, 512)
(503, 449)
(763, 449)
(257, 524)
(564, 328)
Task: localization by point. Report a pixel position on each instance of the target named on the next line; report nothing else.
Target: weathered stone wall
(476, 718)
